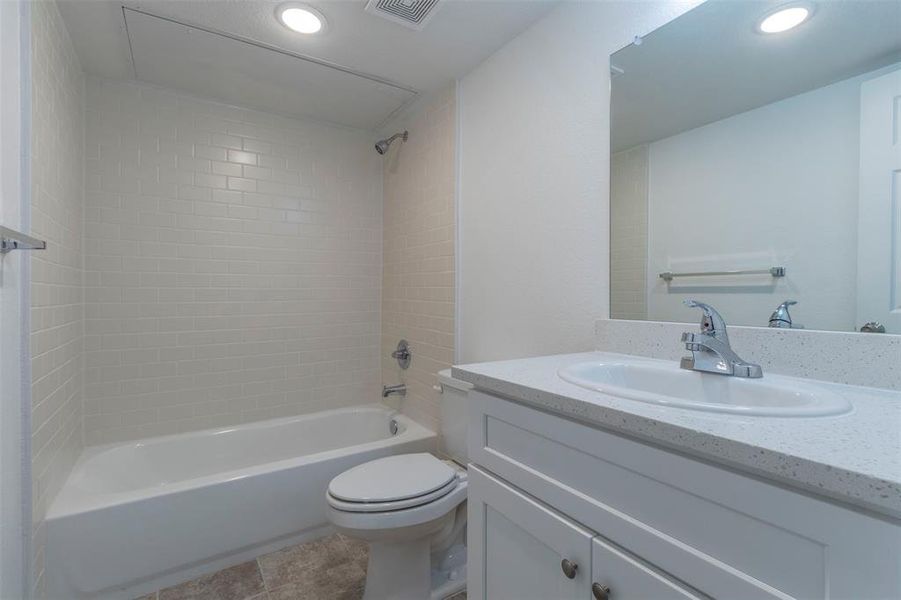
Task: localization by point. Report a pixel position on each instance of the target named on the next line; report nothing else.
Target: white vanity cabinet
(518, 554)
(650, 523)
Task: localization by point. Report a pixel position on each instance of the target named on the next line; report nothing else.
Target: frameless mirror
(755, 162)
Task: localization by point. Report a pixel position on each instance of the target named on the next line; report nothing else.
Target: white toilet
(411, 508)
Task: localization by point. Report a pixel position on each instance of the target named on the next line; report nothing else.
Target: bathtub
(137, 516)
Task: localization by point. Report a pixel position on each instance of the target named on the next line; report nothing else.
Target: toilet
(411, 508)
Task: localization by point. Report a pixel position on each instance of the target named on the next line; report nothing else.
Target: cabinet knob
(600, 592)
(569, 568)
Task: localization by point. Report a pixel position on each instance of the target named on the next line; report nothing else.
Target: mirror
(751, 167)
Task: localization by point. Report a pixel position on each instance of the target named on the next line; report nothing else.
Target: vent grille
(411, 13)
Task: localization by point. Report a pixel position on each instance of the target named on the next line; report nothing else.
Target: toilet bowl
(411, 508)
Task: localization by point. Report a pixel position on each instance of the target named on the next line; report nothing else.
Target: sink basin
(669, 385)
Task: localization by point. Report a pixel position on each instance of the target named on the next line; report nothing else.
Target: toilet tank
(454, 422)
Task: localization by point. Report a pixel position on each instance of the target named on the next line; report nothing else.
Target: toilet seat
(424, 502)
(394, 504)
(399, 478)
(399, 519)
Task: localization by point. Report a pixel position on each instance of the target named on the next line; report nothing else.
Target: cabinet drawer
(625, 577)
(726, 534)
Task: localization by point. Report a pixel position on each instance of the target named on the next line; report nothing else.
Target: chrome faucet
(394, 390)
(780, 318)
(710, 349)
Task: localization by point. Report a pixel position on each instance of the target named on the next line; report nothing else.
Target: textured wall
(57, 320)
(418, 275)
(796, 163)
(233, 264)
(534, 184)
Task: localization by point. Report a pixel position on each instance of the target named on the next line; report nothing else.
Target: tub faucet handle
(403, 355)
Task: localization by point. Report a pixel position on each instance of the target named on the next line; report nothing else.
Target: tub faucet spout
(394, 390)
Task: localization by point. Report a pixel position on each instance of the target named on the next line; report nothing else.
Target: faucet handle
(689, 340)
(712, 323)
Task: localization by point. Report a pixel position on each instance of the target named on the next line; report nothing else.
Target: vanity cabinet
(650, 523)
(518, 555)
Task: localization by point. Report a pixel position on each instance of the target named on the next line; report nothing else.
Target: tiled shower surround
(57, 323)
(418, 280)
(232, 264)
(209, 265)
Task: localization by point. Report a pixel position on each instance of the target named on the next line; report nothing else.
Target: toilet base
(398, 571)
(449, 575)
(403, 571)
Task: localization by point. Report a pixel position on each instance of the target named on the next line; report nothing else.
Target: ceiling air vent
(414, 14)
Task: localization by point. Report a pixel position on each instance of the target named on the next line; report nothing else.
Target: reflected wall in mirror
(733, 149)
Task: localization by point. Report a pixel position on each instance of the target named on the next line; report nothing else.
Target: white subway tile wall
(232, 264)
(418, 281)
(57, 320)
(629, 234)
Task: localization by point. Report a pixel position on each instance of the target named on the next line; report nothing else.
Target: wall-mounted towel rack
(772, 271)
(10, 239)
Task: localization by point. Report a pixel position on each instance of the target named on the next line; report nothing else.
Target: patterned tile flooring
(331, 568)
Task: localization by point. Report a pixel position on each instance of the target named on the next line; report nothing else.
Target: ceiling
(711, 63)
(357, 73)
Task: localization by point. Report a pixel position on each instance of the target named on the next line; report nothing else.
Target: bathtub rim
(71, 501)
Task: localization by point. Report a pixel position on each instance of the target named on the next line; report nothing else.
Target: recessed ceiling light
(301, 18)
(783, 19)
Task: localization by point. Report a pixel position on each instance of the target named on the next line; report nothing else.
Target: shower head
(381, 146)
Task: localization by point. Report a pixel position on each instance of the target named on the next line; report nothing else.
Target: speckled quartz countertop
(855, 457)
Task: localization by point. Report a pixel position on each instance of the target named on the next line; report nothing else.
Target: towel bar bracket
(10, 239)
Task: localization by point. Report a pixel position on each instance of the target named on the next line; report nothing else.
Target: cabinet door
(517, 546)
(616, 574)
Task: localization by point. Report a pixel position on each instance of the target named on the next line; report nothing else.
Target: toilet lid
(372, 507)
(392, 478)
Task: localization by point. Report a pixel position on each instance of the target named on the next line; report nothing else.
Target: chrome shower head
(381, 146)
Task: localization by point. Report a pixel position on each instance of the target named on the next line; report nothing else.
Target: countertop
(854, 457)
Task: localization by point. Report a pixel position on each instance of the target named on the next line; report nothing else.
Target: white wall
(233, 264)
(418, 267)
(57, 309)
(773, 186)
(534, 182)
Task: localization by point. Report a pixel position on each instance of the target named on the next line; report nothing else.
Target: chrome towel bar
(10, 239)
(772, 271)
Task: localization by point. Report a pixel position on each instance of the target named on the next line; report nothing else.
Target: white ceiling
(238, 53)
(711, 63)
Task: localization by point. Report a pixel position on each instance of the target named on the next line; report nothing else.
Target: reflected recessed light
(301, 18)
(783, 19)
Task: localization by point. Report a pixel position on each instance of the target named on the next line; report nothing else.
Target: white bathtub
(137, 516)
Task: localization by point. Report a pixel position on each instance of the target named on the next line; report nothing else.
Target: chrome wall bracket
(10, 239)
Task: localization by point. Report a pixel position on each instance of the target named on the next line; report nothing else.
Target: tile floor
(331, 568)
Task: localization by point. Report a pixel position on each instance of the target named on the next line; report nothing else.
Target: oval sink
(665, 385)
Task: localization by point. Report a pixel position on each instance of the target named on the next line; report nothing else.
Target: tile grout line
(262, 575)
